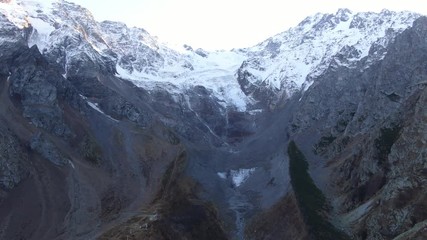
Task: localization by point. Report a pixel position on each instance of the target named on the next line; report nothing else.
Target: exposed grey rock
(188, 47)
(273, 48)
(42, 145)
(139, 48)
(31, 83)
(13, 160)
(268, 98)
(119, 108)
(201, 52)
(369, 122)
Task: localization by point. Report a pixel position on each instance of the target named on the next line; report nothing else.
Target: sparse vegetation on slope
(310, 199)
(176, 213)
(385, 141)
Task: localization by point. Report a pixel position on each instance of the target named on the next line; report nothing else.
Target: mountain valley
(318, 132)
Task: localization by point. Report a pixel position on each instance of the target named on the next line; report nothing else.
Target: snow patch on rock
(238, 177)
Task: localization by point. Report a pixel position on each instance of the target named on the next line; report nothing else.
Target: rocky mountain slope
(107, 133)
(291, 61)
(377, 172)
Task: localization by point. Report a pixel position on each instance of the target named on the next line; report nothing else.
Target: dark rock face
(47, 150)
(362, 119)
(75, 165)
(13, 160)
(33, 84)
(96, 149)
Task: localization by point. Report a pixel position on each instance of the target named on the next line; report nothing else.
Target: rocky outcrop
(47, 150)
(34, 84)
(62, 151)
(269, 98)
(367, 123)
(291, 61)
(13, 161)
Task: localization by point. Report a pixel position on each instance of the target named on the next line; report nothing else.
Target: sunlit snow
(286, 63)
(41, 36)
(306, 51)
(216, 72)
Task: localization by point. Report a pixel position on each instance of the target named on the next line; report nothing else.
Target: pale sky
(226, 24)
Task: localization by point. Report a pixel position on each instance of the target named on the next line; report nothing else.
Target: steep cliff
(366, 128)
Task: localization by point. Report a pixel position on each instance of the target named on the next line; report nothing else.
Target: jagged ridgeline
(108, 133)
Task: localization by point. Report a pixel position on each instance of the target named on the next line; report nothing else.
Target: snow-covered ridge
(293, 58)
(69, 31)
(285, 63)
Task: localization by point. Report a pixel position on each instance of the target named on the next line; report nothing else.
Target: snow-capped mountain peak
(293, 58)
(282, 64)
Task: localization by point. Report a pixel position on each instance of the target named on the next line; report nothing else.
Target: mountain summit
(283, 64)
